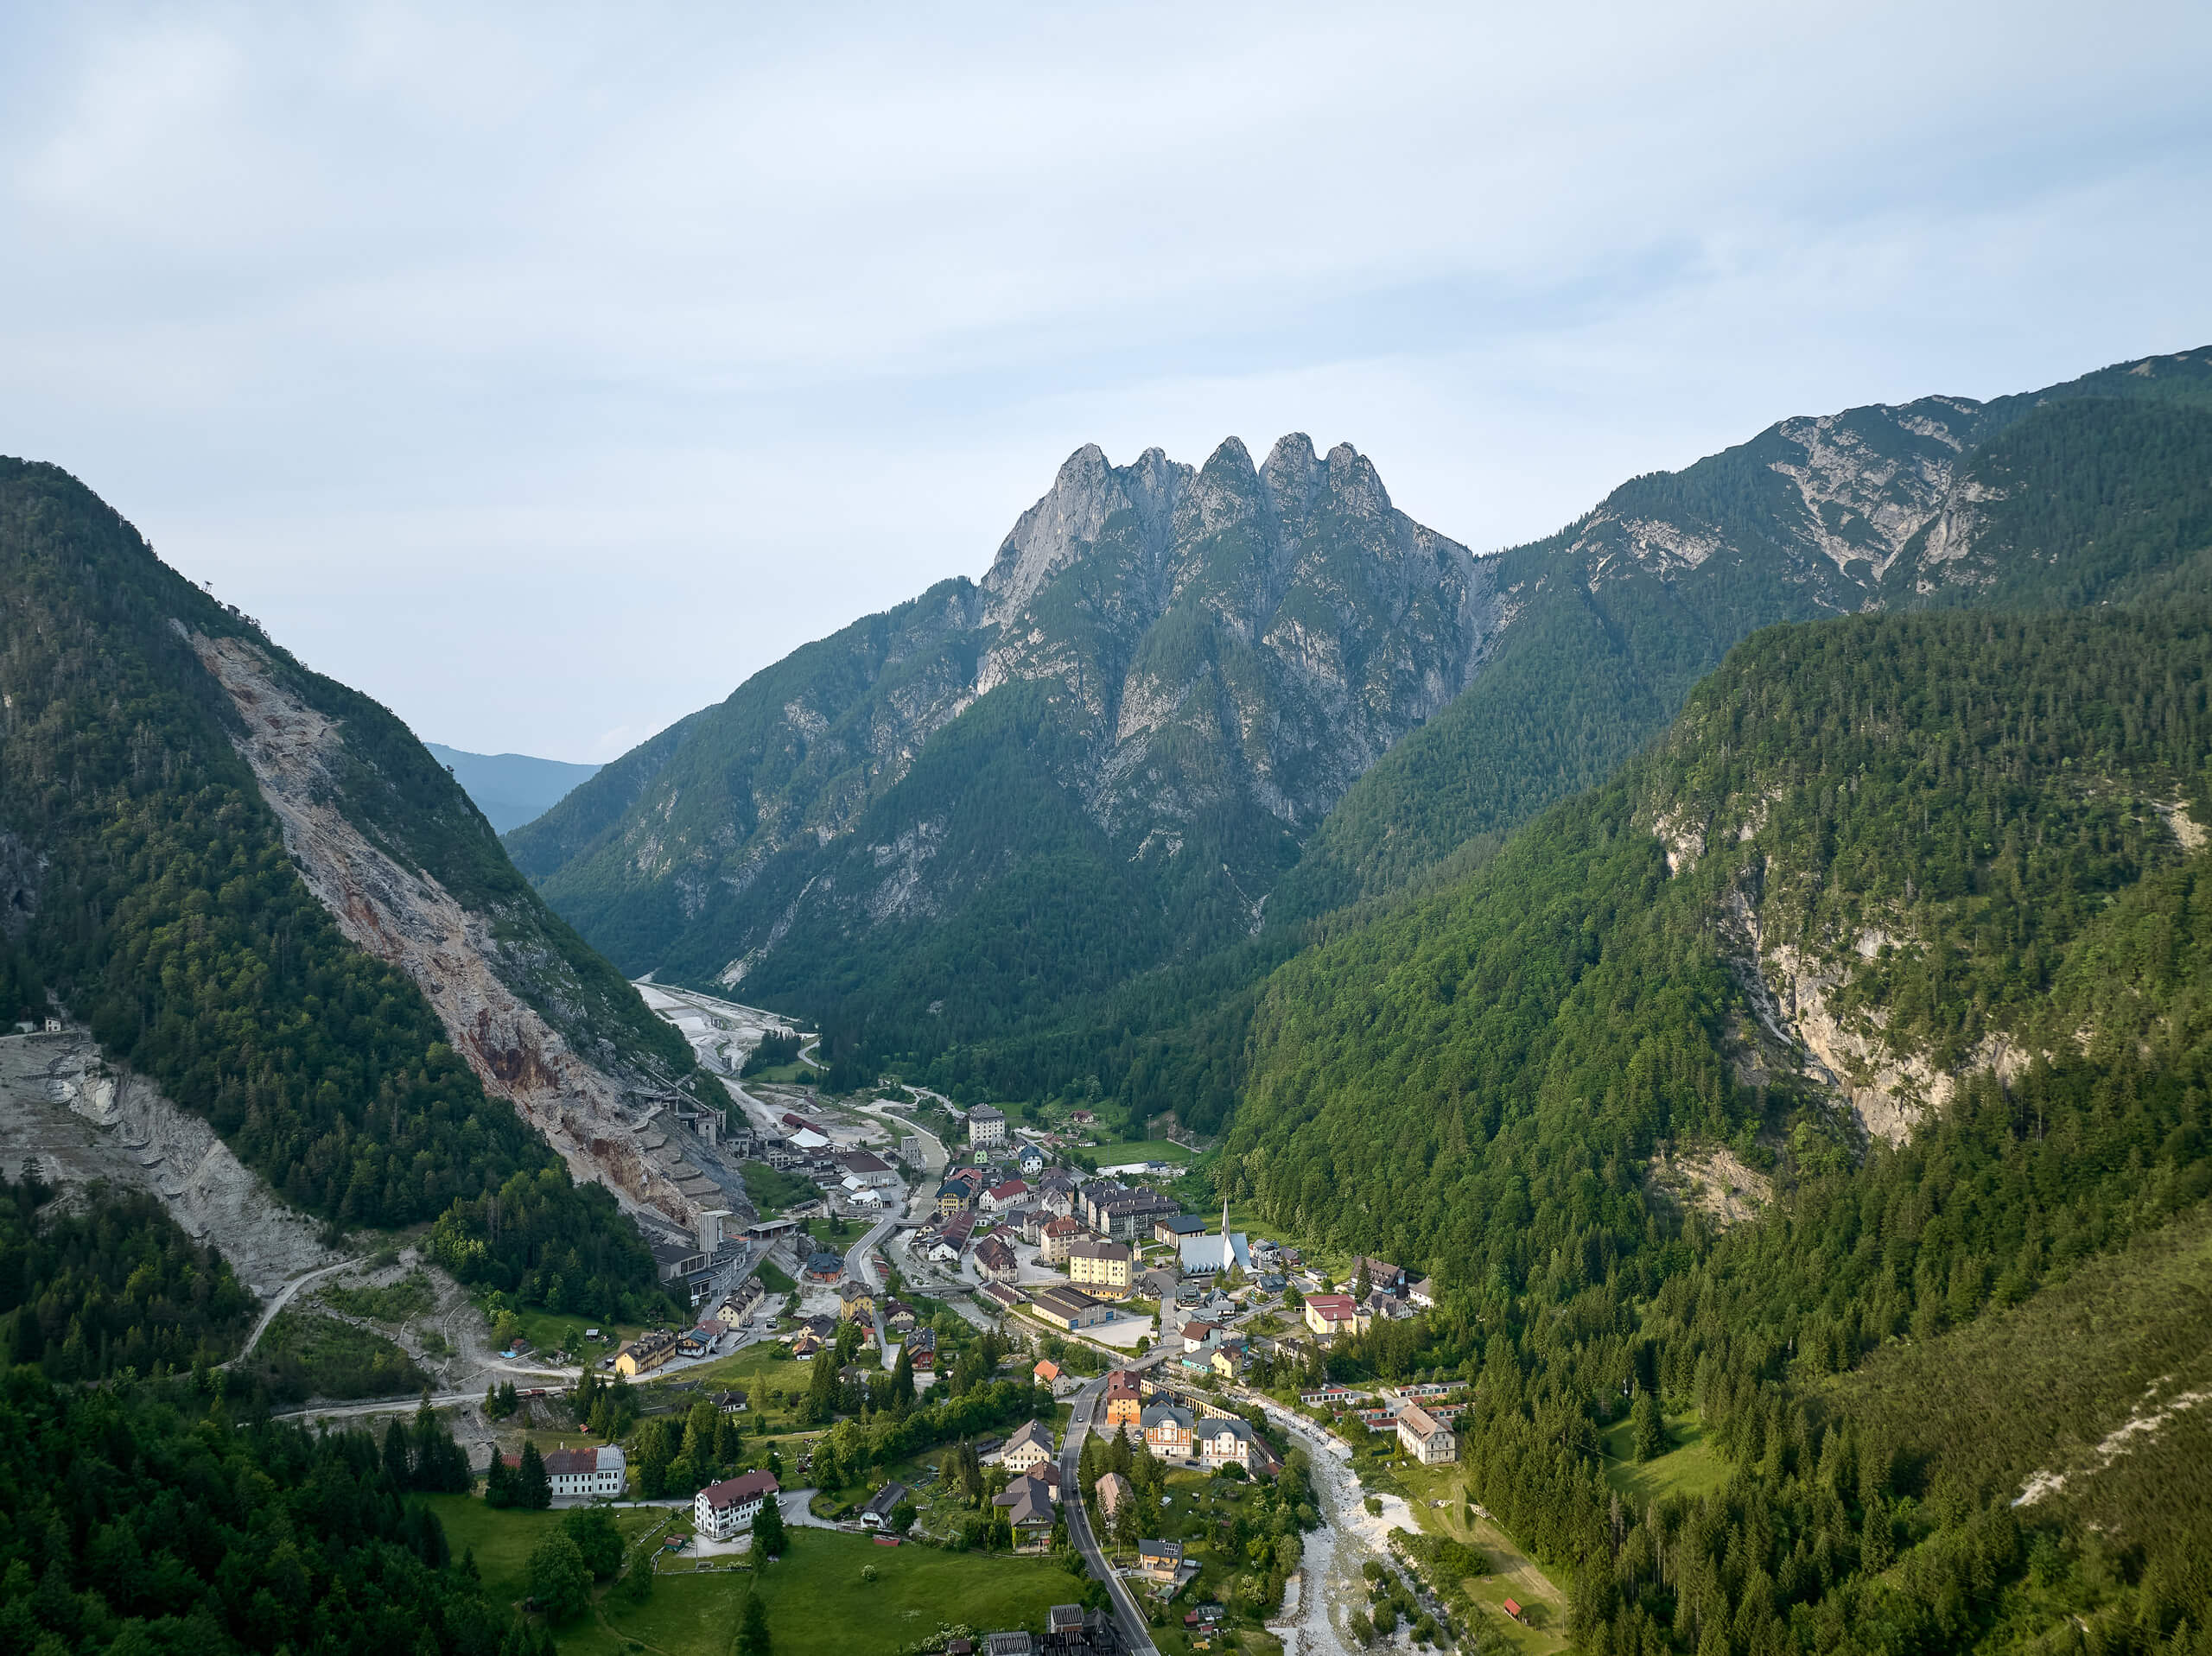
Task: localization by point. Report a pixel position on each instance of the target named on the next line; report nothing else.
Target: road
(283, 1298)
(1134, 1633)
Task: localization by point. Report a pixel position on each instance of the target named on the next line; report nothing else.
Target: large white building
(1426, 1438)
(986, 1126)
(585, 1473)
(728, 1508)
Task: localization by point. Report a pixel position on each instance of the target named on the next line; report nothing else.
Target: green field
(502, 1540)
(1690, 1467)
(818, 1605)
(1145, 1150)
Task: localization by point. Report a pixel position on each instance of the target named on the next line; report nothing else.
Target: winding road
(284, 1296)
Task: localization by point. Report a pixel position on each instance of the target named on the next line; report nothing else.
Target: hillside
(2090, 492)
(511, 789)
(264, 897)
(1874, 1001)
(1024, 831)
(951, 816)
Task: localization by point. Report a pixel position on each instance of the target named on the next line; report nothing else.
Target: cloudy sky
(544, 373)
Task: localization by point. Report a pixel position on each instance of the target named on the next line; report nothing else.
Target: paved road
(1134, 1633)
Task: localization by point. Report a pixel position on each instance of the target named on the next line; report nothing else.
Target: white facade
(585, 1473)
(728, 1508)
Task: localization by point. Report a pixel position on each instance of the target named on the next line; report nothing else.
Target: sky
(544, 373)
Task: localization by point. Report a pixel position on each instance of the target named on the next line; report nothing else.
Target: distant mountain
(512, 789)
(1185, 707)
(264, 897)
(947, 818)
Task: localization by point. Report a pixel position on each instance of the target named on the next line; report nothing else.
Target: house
(1030, 1446)
(877, 1513)
(898, 1315)
(959, 1229)
(855, 1300)
(1056, 1192)
(1070, 1309)
(1082, 1118)
(1004, 1295)
(1099, 1268)
(1197, 1335)
(1224, 1443)
(823, 1266)
(808, 1344)
(1056, 1237)
(731, 1402)
(864, 1168)
(1426, 1438)
(1329, 1315)
(1004, 1197)
(952, 1196)
(994, 1260)
(694, 1342)
(722, 1510)
(1160, 1283)
(1122, 1215)
(1422, 1294)
(1028, 1504)
(1172, 1228)
(1228, 1359)
(1031, 1161)
(1046, 1372)
(586, 1474)
(942, 1251)
(921, 1351)
(1168, 1431)
(645, 1354)
(1114, 1492)
(1513, 1609)
(1381, 1276)
(986, 1126)
(1124, 1401)
(1160, 1560)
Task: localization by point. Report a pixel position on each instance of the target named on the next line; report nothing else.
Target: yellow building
(645, 1354)
(1099, 1268)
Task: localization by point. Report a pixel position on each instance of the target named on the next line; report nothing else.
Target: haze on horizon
(544, 374)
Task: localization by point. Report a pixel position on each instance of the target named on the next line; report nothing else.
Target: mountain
(1028, 829)
(266, 900)
(2084, 492)
(952, 816)
(511, 789)
(1835, 1034)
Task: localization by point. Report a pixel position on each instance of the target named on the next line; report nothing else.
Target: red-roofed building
(724, 1509)
(1332, 1314)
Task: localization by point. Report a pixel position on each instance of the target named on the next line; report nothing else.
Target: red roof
(735, 1492)
(1009, 1190)
(1511, 1608)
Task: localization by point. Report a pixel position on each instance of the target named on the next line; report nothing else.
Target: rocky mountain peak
(1055, 532)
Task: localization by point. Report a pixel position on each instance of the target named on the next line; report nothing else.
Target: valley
(1649, 1088)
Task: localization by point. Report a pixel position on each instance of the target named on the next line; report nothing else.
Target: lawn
(550, 1331)
(502, 1540)
(772, 1190)
(1145, 1150)
(1690, 1468)
(818, 1605)
(1513, 1574)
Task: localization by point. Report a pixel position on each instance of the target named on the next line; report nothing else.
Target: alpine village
(1254, 1079)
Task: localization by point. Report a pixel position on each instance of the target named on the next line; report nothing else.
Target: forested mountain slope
(956, 815)
(257, 890)
(2085, 493)
(1904, 931)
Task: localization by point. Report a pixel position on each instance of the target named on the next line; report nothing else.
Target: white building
(1224, 1443)
(1426, 1438)
(986, 1126)
(1031, 1446)
(728, 1508)
(1206, 1256)
(586, 1474)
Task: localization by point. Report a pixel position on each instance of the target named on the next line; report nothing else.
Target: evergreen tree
(598, 1541)
(769, 1537)
(1646, 1429)
(533, 1488)
(753, 1636)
